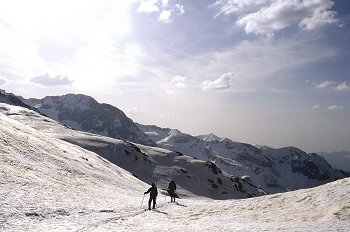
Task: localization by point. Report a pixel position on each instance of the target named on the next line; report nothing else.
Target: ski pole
(142, 200)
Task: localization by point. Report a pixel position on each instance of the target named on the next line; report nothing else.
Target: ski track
(119, 218)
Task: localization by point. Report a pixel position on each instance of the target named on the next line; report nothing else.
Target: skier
(172, 188)
(153, 195)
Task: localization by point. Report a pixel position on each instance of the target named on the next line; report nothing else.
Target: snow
(209, 137)
(150, 164)
(275, 170)
(70, 123)
(47, 184)
(154, 132)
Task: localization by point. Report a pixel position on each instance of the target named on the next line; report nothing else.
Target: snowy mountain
(149, 164)
(338, 159)
(155, 133)
(275, 170)
(84, 113)
(48, 184)
(12, 99)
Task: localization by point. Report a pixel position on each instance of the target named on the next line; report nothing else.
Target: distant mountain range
(274, 170)
(338, 159)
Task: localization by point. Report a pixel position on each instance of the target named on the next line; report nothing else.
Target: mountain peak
(209, 137)
(84, 113)
(71, 101)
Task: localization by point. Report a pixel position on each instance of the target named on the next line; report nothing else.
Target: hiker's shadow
(177, 203)
(158, 211)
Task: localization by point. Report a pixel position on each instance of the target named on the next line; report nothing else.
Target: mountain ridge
(264, 165)
(84, 113)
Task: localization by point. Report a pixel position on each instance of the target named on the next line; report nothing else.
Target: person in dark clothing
(153, 195)
(172, 188)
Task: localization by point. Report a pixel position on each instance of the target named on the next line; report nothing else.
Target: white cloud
(342, 87)
(179, 8)
(226, 81)
(318, 19)
(83, 45)
(164, 16)
(148, 6)
(316, 107)
(324, 84)
(179, 81)
(307, 14)
(335, 107)
(165, 7)
(228, 7)
(165, 3)
(253, 60)
(334, 85)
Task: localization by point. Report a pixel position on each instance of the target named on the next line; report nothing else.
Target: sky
(268, 72)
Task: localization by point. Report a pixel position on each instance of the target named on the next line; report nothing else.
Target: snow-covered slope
(51, 185)
(84, 113)
(45, 179)
(275, 170)
(194, 177)
(47, 184)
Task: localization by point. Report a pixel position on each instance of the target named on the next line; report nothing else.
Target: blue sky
(266, 72)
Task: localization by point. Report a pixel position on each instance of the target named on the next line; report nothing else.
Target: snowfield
(47, 184)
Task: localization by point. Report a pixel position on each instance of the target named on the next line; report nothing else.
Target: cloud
(228, 7)
(253, 60)
(164, 16)
(179, 81)
(179, 8)
(84, 44)
(316, 107)
(318, 19)
(342, 87)
(47, 80)
(165, 3)
(325, 84)
(148, 6)
(335, 107)
(276, 15)
(226, 81)
(165, 7)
